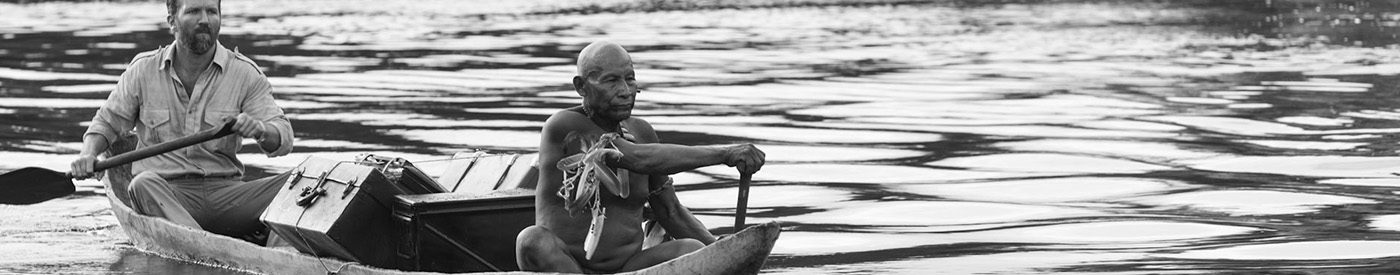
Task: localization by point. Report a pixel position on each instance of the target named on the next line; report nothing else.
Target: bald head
(606, 81)
(601, 55)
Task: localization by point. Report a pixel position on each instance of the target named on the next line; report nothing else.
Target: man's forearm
(689, 227)
(665, 159)
(93, 144)
(678, 220)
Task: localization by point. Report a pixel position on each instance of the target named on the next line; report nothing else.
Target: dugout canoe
(742, 253)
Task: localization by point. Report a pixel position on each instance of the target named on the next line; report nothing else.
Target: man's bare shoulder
(563, 122)
(642, 129)
(566, 118)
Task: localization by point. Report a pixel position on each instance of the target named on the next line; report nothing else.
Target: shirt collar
(221, 55)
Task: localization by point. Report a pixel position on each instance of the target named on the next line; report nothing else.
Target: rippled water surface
(918, 138)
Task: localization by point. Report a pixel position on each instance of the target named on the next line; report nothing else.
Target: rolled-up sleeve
(118, 114)
(260, 104)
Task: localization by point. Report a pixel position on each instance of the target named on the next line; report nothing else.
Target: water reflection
(1359, 23)
(952, 137)
(1323, 250)
(1251, 202)
(1048, 190)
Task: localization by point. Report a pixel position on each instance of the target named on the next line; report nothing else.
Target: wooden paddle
(34, 185)
(744, 179)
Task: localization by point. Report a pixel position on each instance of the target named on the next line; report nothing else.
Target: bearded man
(191, 85)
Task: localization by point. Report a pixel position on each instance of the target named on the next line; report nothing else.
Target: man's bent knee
(532, 239)
(689, 245)
(144, 182)
(531, 243)
(663, 252)
(679, 247)
(538, 249)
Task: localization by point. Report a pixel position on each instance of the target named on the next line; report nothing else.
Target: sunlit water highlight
(917, 138)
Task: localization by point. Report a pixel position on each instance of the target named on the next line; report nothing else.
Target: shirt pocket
(158, 126)
(214, 119)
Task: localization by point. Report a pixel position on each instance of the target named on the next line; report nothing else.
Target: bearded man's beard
(197, 43)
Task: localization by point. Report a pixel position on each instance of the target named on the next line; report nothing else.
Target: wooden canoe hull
(742, 253)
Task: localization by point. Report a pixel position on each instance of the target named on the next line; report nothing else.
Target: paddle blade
(33, 185)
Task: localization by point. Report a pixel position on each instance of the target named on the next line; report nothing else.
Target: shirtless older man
(560, 236)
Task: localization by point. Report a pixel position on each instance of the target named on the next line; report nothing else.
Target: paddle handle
(743, 207)
(165, 147)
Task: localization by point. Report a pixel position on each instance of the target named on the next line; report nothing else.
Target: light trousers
(226, 206)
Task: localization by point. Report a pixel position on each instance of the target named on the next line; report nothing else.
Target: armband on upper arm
(670, 184)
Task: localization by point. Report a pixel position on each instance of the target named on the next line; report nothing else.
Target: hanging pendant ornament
(595, 232)
(587, 172)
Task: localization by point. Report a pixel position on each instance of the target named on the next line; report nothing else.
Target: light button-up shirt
(151, 99)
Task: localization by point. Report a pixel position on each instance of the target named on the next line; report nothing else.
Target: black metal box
(462, 232)
(339, 209)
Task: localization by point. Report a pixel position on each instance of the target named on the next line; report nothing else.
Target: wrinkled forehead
(181, 4)
(602, 57)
